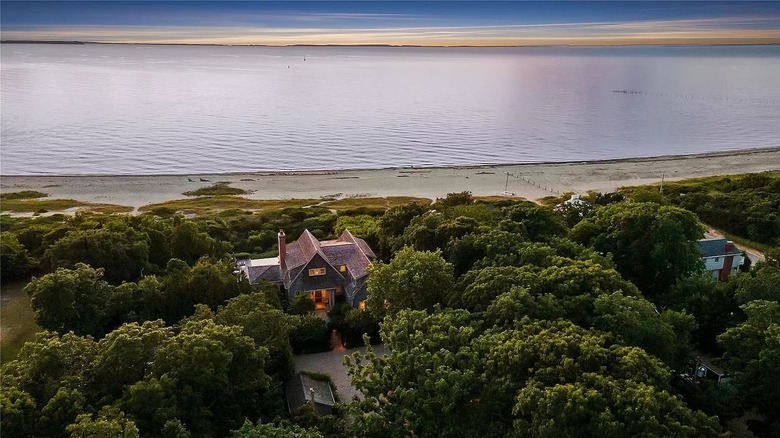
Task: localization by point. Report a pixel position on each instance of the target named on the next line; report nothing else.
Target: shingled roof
(716, 248)
(347, 250)
(302, 388)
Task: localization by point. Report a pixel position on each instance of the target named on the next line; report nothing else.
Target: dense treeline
(744, 205)
(499, 318)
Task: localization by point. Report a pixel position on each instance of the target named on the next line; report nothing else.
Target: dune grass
(46, 205)
(218, 189)
(380, 204)
(204, 205)
(497, 199)
(17, 320)
(25, 194)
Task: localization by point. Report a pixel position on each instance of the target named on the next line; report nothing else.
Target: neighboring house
(721, 257)
(324, 270)
(303, 389)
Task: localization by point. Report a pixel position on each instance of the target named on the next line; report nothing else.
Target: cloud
(764, 29)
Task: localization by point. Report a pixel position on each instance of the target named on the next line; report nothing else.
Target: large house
(721, 257)
(323, 270)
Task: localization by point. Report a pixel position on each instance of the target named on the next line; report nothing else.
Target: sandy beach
(531, 181)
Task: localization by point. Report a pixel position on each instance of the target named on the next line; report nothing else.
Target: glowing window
(362, 305)
(343, 268)
(316, 271)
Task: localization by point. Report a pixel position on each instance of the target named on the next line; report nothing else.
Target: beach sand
(533, 181)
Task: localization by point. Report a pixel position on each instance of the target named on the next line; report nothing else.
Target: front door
(321, 298)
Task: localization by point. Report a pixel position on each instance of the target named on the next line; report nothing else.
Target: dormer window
(316, 271)
(342, 268)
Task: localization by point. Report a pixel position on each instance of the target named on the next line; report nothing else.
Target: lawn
(17, 320)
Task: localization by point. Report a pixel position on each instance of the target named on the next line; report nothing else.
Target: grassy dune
(31, 202)
(218, 189)
(380, 204)
(214, 204)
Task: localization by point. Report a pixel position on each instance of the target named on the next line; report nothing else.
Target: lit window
(362, 305)
(343, 268)
(316, 271)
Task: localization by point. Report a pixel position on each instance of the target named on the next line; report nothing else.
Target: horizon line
(614, 44)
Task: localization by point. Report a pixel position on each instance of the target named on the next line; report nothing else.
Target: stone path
(332, 363)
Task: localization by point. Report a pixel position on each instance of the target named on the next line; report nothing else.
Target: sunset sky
(410, 23)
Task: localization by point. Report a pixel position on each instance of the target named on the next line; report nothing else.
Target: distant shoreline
(530, 180)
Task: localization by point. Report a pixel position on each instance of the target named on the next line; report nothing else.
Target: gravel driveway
(332, 363)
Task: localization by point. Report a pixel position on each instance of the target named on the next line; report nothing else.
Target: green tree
(566, 290)
(496, 382)
(712, 303)
(535, 222)
(122, 252)
(60, 411)
(309, 334)
(753, 354)
(71, 300)
(265, 430)
(17, 409)
(364, 226)
(267, 326)
(109, 423)
(596, 406)
(208, 282)
(412, 280)
(189, 243)
(124, 357)
(302, 304)
(635, 321)
(213, 377)
(393, 224)
(14, 258)
(653, 245)
(399, 399)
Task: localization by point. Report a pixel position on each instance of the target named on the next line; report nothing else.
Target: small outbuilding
(303, 389)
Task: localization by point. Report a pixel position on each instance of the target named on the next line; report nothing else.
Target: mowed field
(17, 320)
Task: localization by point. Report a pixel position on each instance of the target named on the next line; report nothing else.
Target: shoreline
(667, 157)
(531, 180)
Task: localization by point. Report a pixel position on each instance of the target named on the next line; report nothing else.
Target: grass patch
(26, 194)
(747, 243)
(17, 320)
(204, 205)
(218, 189)
(500, 200)
(45, 205)
(382, 204)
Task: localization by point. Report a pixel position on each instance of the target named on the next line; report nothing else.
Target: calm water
(110, 109)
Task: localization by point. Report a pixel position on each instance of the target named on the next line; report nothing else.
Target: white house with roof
(721, 257)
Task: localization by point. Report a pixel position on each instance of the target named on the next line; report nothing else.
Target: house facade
(322, 269)
(721, 257)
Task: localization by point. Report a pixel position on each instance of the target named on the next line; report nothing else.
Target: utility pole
(662, 183)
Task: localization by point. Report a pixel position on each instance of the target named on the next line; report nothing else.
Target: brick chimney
(282, 249)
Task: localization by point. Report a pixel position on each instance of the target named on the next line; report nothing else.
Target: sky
(438, 23)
